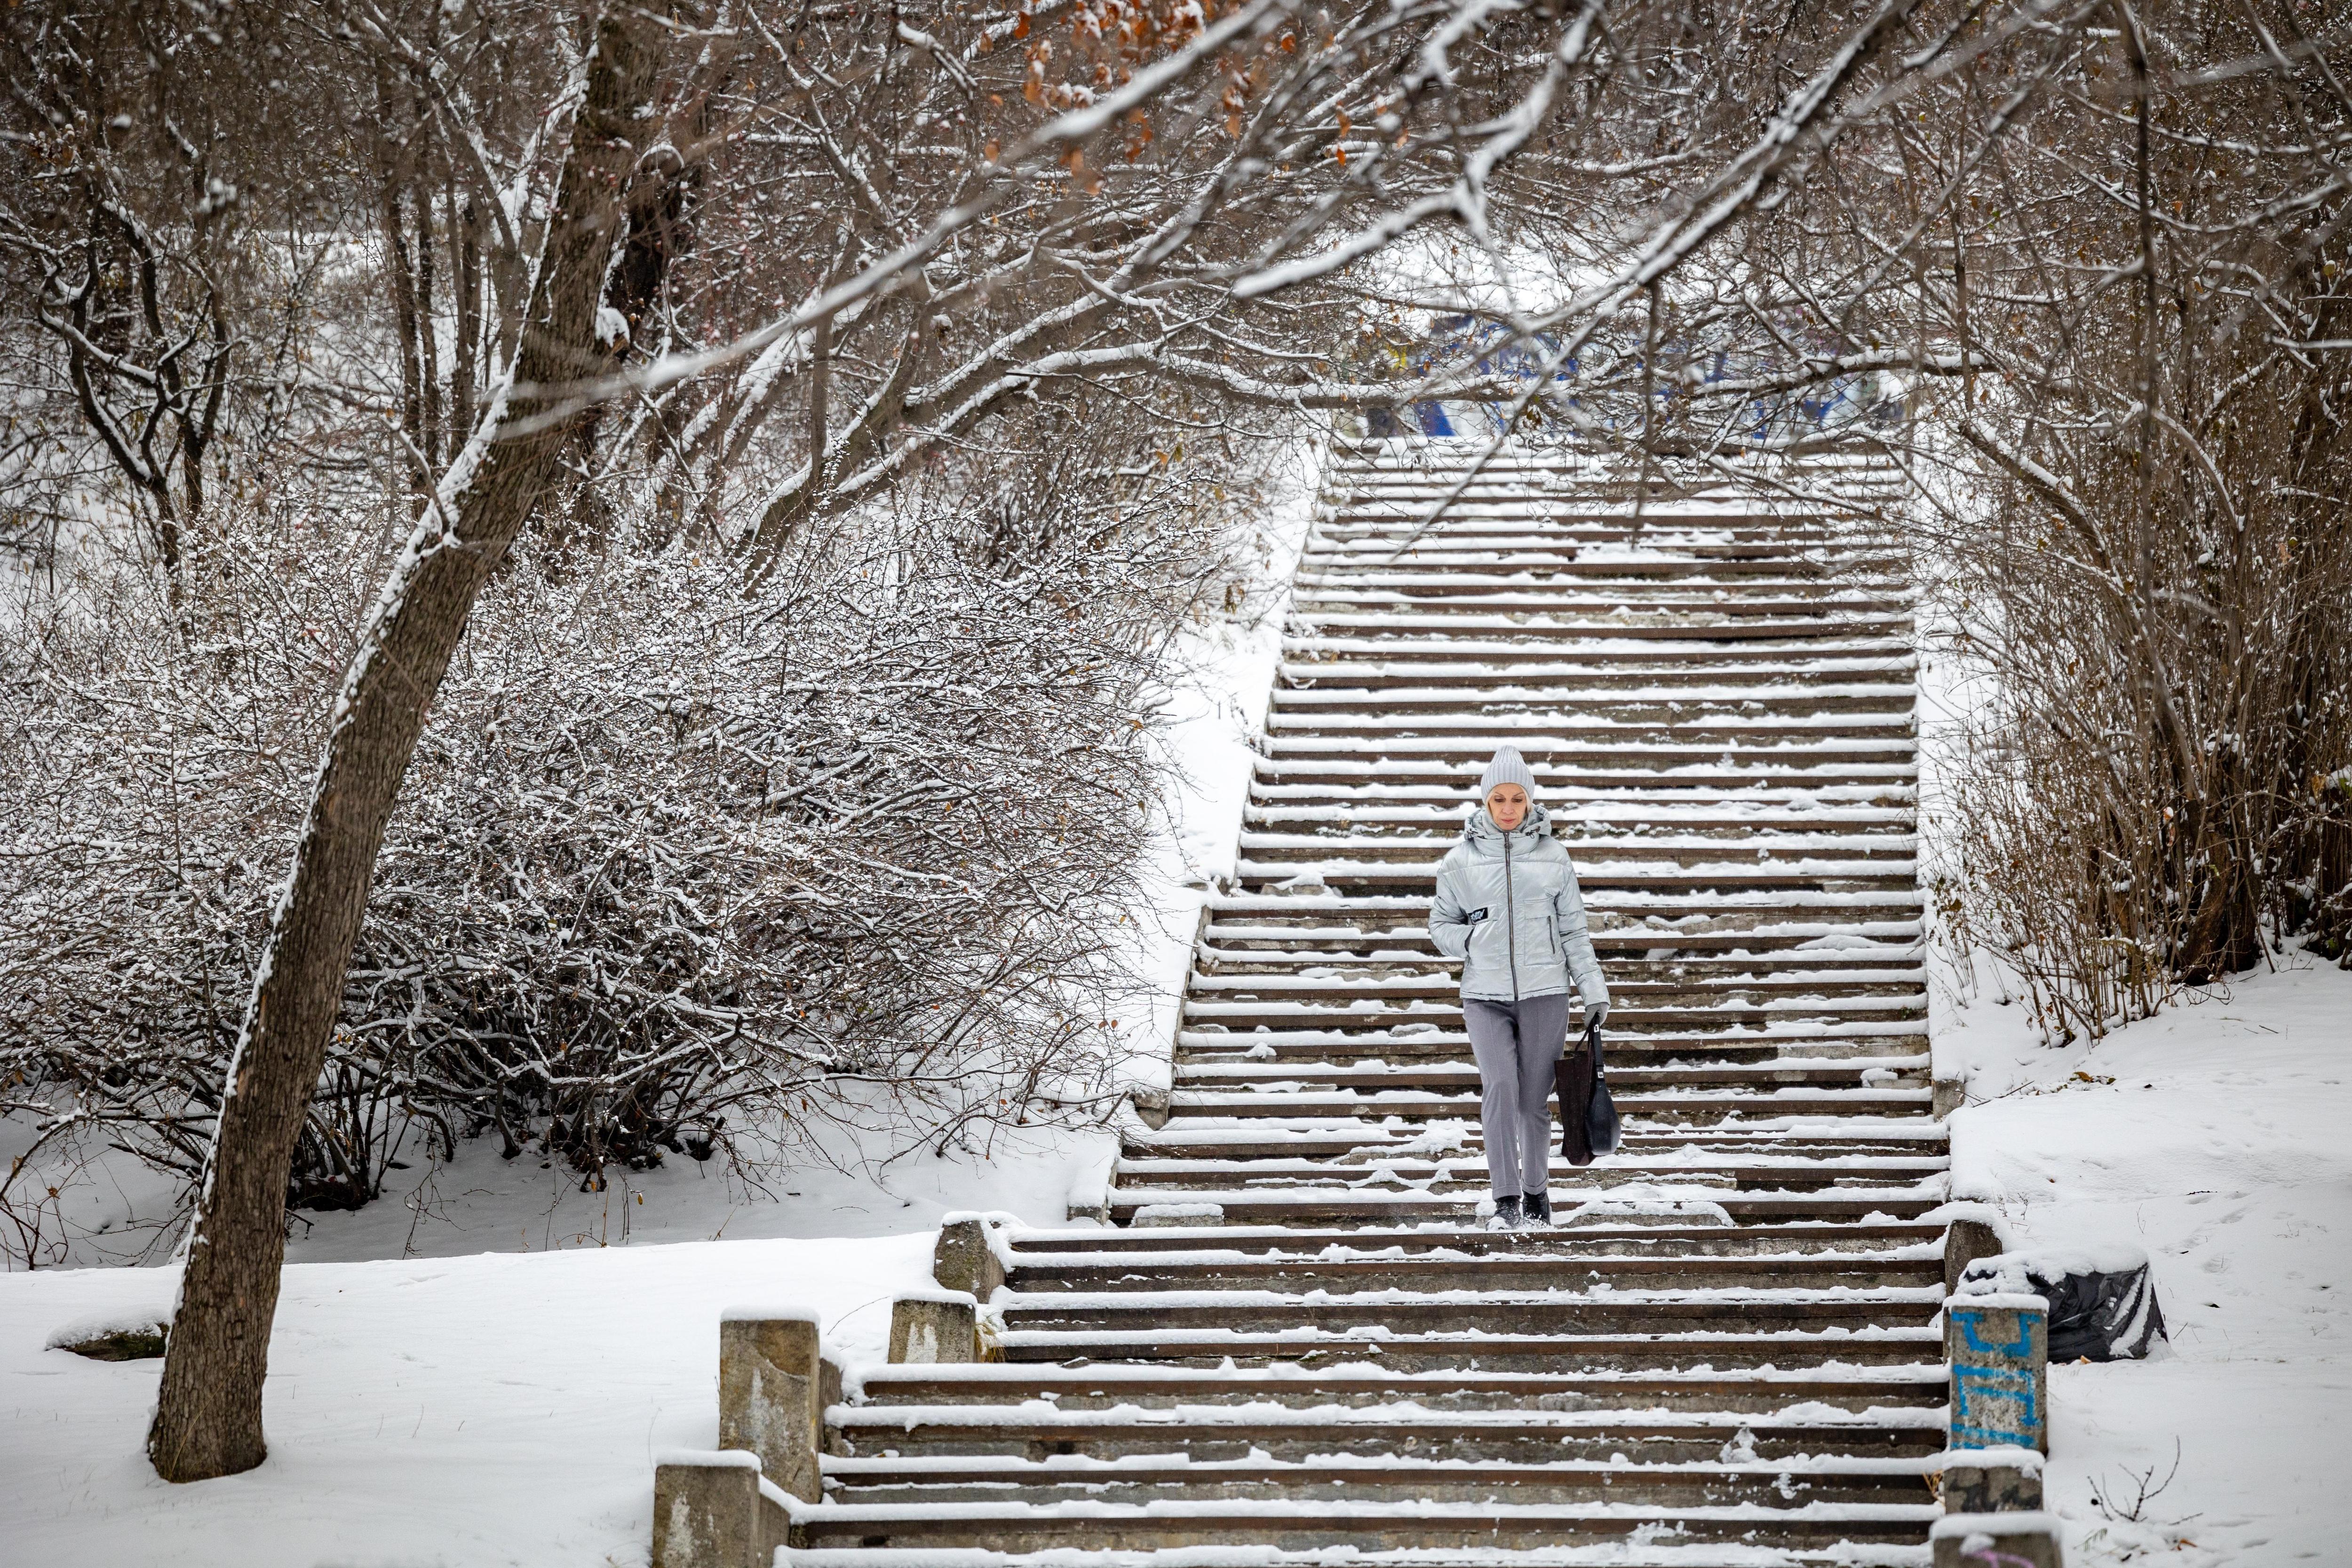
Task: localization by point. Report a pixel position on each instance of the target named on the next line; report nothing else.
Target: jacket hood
(1481, 834)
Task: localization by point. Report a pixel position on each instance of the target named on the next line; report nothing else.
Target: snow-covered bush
(2134, 451)
(675, 856)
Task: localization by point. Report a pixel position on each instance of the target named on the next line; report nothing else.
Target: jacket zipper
(1511, 921)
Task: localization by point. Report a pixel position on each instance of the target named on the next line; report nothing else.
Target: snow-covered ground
(502, 1408)
(1211, 722)
(2212, 1136)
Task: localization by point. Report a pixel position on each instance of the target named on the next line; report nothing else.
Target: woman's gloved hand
(1594, 991)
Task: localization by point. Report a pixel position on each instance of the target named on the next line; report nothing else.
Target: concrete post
(934, 1326)
(828, 1394)
(1965, 1241)
(1946, 1095)
(1090, 1190)
(1997, 1541)
(1990, 1481)
(1999, 1348)
(770, 1392)
(710, 1512)
(965, 1259)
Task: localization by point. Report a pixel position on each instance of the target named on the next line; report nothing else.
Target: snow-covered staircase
(1729, 1353)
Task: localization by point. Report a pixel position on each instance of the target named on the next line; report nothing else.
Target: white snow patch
(499, 1409)
(2209, 1138)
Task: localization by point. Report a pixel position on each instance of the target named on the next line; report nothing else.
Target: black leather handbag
(1601, 1126)
(1587, 1117)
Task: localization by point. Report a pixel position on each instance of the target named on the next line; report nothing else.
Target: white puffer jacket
(1509, 907)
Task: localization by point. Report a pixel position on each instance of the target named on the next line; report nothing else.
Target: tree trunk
(658, 233)
(466, 233)
(208, 1412)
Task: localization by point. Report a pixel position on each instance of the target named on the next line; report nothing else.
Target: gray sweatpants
(1517, 1043)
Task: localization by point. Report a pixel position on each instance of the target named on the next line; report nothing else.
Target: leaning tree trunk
(208, 1413)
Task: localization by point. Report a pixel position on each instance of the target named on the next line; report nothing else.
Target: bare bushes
(2172, 691)
(855, 845)
(2152, 564)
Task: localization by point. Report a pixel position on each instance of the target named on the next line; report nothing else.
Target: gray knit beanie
(1509, 767)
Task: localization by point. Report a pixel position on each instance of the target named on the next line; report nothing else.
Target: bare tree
(208, 1413)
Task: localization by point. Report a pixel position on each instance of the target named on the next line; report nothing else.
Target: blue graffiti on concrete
(1968, 1322)
(1487, 348)
(1993, 1405)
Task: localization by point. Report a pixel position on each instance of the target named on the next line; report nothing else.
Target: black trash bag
(2102, 1302)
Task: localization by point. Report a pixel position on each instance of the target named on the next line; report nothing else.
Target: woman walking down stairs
(1725, 1350)
(1508, 909)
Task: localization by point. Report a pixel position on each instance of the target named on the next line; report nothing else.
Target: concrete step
(1184, 1476)
(1457, 654)
(1336, 791)
(1439, 1272)
(1511, 570)
(1017, 1396)
(1662, 914)
(1821, 1149)
(1814, 876)
(1780, 1202)
(1315, 600)
(1555, 622)
(1360, 711)
(1327, 932)
(1386, 1008)
(1722, 781)
(1217, 1433)
(1195, 1077)
(1255, 966)
(1370, 1526)
(1592, 818)
(1446, 664)
(1144, 1245)
(1460, 1174)
(1338, 1048)
(1566, 736)
(1855, 1342)
(1772, 972)
(1678, 1108)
